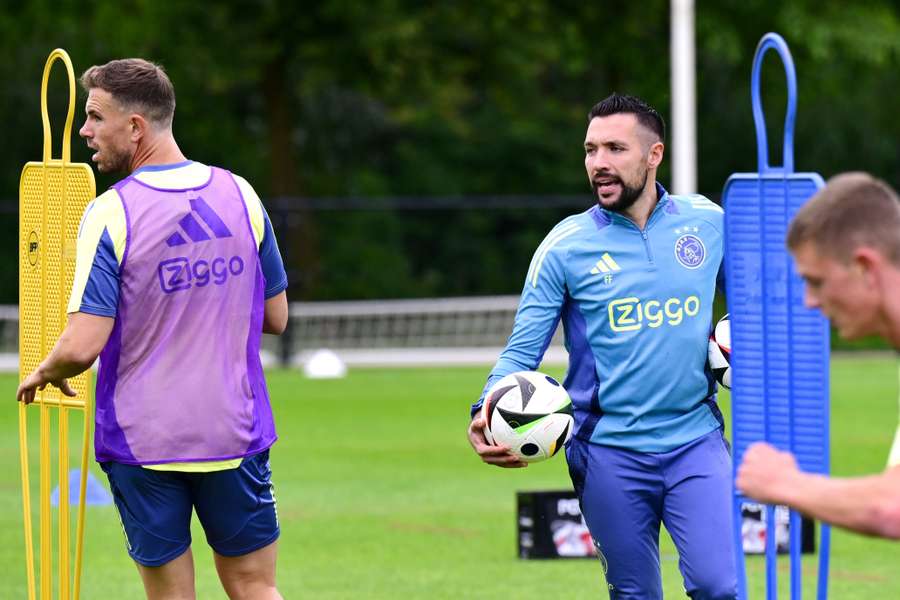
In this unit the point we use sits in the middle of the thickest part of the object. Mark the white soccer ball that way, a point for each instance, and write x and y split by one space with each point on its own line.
720 352
530 413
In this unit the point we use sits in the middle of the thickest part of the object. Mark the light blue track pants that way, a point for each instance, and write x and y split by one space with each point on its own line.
625 495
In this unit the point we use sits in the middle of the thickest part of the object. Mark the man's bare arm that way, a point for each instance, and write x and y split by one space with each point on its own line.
869 504
276 314
75 351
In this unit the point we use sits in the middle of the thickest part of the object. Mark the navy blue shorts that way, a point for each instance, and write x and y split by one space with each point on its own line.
236 508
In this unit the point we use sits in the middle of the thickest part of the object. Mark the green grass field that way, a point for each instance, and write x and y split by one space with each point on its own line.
380 496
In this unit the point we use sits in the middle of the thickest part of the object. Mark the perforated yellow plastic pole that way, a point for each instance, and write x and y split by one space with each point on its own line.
26 501
53 194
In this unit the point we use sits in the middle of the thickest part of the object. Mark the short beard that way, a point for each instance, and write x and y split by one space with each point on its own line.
118 162
626 199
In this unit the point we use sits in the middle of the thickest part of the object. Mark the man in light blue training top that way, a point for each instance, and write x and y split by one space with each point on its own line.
633 279
177 276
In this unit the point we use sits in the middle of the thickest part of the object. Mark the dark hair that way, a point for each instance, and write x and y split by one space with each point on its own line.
135 83
621 103
852 210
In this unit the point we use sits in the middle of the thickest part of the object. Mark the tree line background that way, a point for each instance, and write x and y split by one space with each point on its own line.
362 125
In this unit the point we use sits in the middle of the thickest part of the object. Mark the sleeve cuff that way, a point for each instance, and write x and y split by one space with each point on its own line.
99 311
276 289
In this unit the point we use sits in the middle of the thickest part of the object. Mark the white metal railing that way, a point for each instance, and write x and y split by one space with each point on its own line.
468 330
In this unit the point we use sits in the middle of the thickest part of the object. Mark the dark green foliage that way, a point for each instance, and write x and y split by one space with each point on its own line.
396 98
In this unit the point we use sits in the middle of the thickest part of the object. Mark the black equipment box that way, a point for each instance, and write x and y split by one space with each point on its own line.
549 525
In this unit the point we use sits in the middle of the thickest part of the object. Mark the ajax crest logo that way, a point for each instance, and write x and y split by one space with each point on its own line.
690 251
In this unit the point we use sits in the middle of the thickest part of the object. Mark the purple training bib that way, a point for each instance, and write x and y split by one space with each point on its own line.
180 378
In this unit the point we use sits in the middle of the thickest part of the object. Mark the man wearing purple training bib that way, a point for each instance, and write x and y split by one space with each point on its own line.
174 283
178 274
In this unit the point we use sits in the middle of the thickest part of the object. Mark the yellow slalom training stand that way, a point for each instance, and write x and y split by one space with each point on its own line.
53 194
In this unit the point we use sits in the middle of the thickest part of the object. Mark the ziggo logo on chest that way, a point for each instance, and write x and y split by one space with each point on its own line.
631 314
176 274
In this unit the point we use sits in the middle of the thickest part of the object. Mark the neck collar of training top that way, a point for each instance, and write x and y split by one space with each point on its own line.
149 183
150 168
605 217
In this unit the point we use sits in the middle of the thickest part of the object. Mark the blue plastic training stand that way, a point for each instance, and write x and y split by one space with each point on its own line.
780 349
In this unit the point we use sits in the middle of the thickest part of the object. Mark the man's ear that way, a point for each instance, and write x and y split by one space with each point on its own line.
655 155
868 262
139 127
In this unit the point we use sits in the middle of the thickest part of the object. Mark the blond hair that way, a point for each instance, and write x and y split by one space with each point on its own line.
852 210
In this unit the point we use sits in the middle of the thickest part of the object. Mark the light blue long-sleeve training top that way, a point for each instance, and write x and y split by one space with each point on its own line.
636 308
